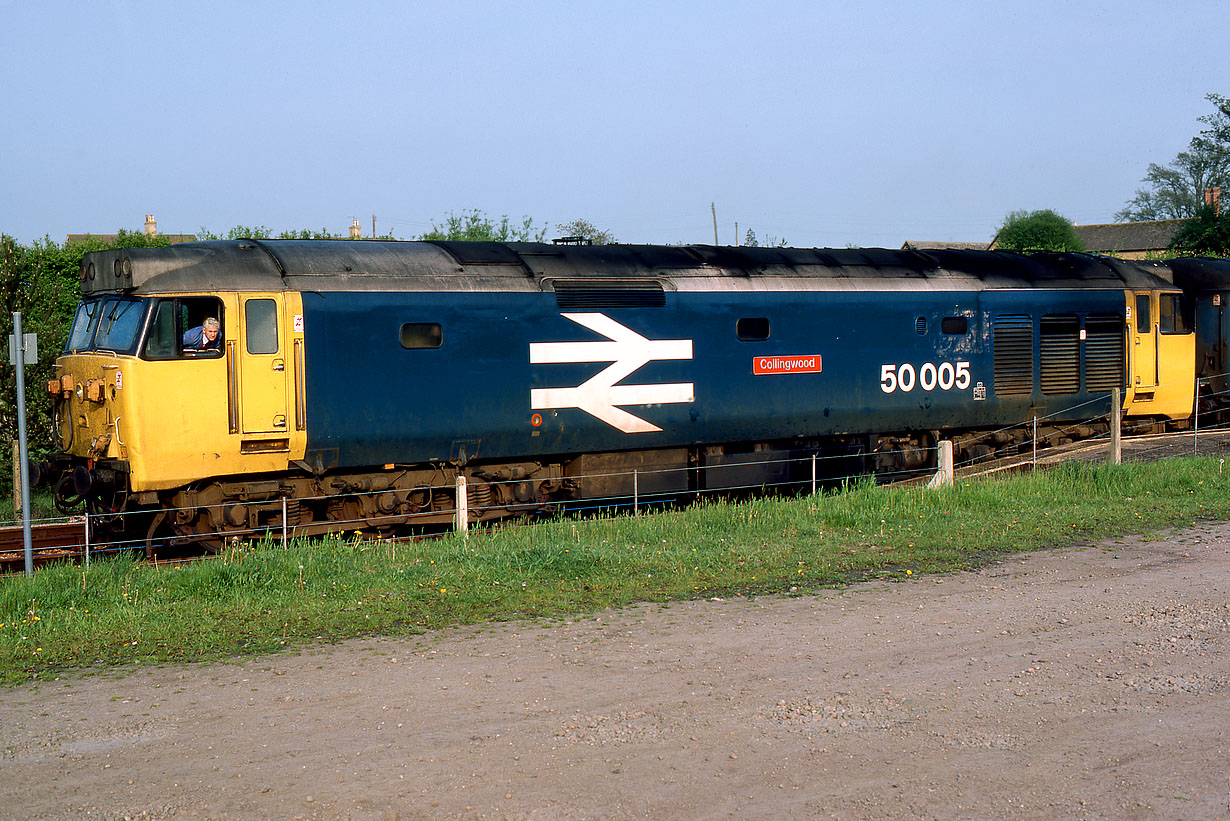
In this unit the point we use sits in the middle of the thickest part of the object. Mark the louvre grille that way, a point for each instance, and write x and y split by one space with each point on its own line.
590 295
1014 356
1103 354
920 326
1060 349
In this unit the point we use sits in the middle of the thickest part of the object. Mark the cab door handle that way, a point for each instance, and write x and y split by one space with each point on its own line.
279 365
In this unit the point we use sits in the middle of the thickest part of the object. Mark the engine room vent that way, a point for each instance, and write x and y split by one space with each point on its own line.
1060 349
920 326
1014 355
1103 353
593 294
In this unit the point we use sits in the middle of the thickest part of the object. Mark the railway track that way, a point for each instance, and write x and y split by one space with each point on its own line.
49 542
65 540
1150 447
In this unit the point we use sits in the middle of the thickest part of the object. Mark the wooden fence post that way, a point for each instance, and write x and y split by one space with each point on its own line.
462 519
944 475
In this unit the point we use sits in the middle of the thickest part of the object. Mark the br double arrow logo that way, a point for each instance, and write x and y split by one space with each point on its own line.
599 396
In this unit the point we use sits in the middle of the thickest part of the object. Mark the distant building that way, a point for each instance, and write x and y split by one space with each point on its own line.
923 245
151 228
1129 240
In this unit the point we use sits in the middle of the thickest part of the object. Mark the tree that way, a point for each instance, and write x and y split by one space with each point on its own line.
1038 231
1207 234
261 232
1218 131
474 225
1176 191
750 240
585 232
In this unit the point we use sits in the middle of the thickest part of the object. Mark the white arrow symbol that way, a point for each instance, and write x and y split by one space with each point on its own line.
599 395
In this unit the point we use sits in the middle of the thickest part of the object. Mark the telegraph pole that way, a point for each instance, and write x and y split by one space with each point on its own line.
713 208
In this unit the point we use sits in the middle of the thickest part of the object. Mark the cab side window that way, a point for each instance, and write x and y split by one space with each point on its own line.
1173 316
161 339
171 319
261 325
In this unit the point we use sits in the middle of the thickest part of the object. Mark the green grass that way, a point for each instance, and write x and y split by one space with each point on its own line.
262 598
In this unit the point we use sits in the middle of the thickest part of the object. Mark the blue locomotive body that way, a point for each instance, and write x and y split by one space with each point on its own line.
831 363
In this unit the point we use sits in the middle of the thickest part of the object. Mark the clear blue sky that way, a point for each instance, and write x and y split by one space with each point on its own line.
826 123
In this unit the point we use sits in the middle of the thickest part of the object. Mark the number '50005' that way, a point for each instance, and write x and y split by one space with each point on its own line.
929 376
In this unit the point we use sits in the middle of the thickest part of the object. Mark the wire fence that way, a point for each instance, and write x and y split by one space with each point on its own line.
800 469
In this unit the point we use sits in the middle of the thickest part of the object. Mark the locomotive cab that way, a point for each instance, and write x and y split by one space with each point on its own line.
138 410
1206 282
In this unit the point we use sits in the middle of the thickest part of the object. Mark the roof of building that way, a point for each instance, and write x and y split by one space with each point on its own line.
927 245
1122 237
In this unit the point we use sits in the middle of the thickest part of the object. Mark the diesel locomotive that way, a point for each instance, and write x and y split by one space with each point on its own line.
354 381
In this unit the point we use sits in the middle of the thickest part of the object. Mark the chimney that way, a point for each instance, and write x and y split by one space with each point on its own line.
356 230
151 227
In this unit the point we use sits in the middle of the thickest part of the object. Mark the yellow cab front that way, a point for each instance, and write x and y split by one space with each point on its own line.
142 407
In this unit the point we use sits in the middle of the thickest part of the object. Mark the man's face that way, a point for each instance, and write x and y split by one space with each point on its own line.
210 333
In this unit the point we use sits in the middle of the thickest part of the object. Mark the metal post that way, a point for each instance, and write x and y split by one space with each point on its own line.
87 538
813 474
1035 465
636 493
283 522
19 346
16 477
1196 423
463 506
1116 428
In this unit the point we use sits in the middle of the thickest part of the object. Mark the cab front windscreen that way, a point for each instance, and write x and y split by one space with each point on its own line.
112 324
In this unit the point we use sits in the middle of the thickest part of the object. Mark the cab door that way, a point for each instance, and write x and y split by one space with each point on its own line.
1144 341
262 365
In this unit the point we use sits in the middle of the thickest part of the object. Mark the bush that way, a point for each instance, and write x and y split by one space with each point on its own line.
1038 231
1205 235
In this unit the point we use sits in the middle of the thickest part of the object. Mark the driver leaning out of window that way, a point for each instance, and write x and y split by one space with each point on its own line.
207 337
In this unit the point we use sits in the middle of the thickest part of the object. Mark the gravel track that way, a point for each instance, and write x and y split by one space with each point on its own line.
1084 683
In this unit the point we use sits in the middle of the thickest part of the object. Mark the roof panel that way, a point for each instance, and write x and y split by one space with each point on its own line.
371 265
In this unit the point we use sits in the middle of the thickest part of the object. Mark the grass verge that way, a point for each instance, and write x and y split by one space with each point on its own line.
262 598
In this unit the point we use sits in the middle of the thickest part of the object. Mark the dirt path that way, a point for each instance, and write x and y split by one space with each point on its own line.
1089 683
